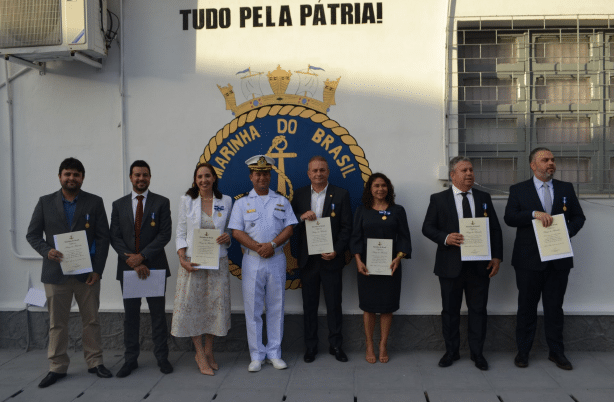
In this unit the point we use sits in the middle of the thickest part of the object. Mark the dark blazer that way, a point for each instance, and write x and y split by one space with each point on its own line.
341 223
49 218
522 201
153 238
442 219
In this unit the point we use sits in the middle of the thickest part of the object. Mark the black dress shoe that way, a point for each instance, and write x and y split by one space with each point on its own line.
480 362
101 371
338 353
560 360
50 379
165 366
448 359
126 369
310 355
521 360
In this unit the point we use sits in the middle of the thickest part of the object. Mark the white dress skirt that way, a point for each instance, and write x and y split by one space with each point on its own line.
202 298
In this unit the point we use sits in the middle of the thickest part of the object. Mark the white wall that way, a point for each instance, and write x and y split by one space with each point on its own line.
390 98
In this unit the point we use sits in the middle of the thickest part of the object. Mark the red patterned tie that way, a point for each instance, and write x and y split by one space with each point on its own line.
137 223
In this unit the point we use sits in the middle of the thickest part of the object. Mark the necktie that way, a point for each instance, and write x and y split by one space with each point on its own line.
138 219
466 208
547 199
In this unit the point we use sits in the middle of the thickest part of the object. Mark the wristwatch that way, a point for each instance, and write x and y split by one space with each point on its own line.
274 245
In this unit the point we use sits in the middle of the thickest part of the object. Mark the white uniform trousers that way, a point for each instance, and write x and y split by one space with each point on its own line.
264 279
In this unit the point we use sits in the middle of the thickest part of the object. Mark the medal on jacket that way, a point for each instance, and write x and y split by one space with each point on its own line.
485 207
219 210
384 213
333 208
87 221
153 221
564 202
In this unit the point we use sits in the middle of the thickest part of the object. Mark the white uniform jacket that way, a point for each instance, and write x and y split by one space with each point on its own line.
189 219
262 222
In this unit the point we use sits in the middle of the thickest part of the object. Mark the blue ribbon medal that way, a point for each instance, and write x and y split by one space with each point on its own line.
333 208
384 213
485 207
219 209
564 202
153 219
87 221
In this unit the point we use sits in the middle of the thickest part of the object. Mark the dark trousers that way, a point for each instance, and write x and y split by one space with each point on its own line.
475 285
317 272
549 285
132 323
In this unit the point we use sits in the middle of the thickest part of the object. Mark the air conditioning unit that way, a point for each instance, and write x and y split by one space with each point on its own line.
47 30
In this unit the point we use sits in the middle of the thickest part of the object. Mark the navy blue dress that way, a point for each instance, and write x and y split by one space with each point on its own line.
380 293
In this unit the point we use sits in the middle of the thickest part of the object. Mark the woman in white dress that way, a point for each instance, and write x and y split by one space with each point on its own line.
202 297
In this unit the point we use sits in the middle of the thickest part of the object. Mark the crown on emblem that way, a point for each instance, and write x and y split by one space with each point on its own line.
279 80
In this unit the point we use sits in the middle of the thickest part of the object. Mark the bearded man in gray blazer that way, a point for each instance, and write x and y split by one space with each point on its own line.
71 210
140 229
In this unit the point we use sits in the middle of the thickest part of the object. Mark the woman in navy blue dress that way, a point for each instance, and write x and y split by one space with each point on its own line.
379 218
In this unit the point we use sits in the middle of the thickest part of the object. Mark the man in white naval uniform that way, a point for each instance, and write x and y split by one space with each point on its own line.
262 221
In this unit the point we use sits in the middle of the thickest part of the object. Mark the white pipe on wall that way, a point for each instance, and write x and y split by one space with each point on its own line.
9 92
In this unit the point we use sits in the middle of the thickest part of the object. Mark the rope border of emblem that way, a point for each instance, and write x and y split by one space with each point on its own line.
294 111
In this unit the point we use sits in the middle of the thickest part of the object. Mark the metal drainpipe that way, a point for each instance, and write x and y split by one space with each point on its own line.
9 91
124 150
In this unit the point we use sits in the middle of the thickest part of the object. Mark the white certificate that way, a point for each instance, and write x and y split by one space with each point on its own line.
152 286
74 247
205 250
476 239
319 236
379 256
553 242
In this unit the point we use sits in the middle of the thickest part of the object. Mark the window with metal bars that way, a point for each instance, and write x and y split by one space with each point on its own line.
518 85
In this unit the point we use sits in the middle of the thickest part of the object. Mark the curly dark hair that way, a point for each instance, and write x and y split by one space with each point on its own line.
194 191
367 197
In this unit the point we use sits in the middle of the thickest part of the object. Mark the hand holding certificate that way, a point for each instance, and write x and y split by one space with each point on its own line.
319 236
553 242
379 256
206 251
476 239
76 253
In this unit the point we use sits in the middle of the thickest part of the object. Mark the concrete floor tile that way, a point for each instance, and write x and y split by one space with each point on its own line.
7 355
536 395
267 378
319 395
390 396
504 375
587 373
441 395
317 379
246 395
381 379
462 375
173 395
593 395
607 358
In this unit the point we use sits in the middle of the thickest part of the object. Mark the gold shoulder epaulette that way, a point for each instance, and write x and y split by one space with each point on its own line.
283 195
241 195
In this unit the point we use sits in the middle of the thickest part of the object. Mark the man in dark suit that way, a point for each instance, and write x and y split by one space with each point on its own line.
322 199
140 228
71 210
441 225
539 198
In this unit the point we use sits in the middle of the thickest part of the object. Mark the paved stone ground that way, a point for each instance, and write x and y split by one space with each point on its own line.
408 377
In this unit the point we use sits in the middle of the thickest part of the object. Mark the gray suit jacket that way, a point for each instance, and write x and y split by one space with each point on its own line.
49 218
153 238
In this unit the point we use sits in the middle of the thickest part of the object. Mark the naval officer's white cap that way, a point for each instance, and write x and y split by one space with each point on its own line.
260 163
